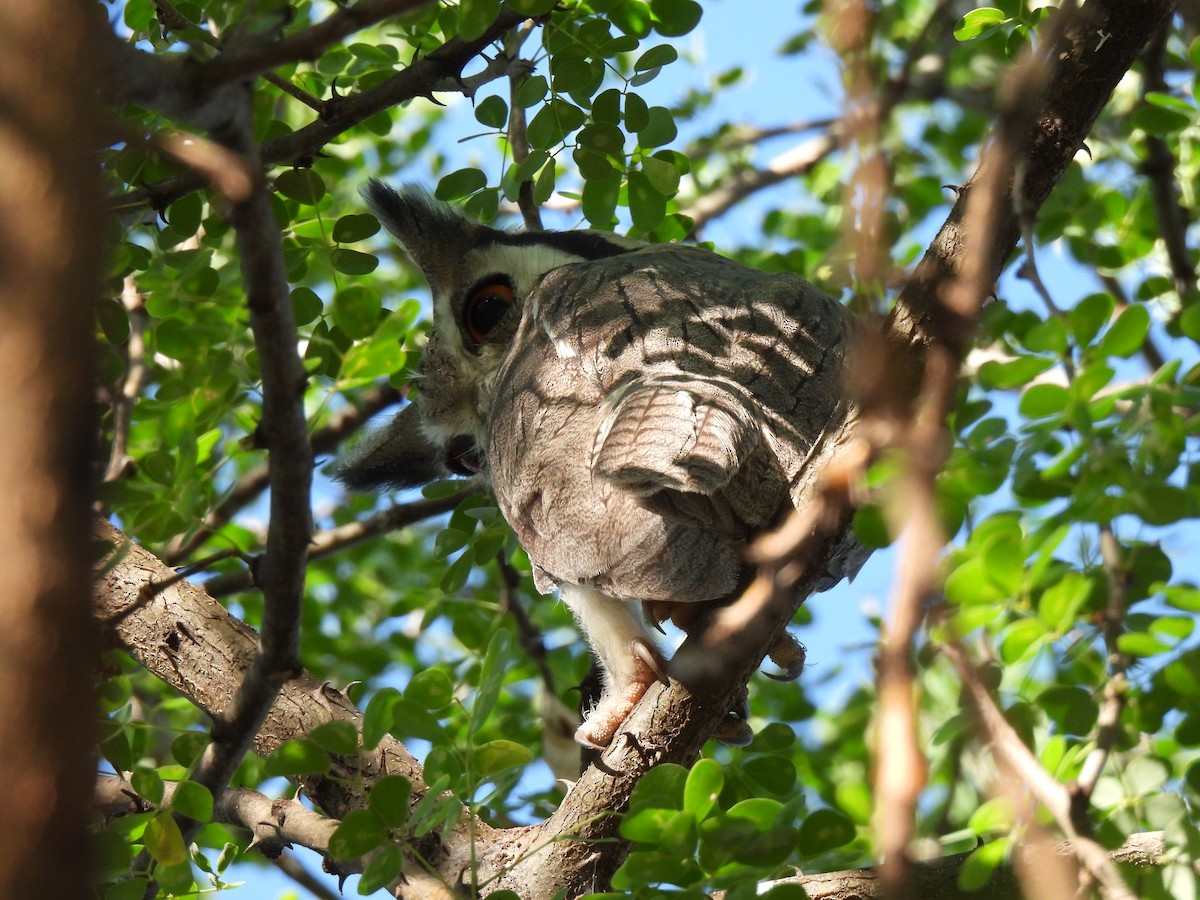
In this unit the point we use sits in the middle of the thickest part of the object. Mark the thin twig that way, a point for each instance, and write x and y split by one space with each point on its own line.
324 440
309 43
518 142
1013 755
336 539
130 387
1108 722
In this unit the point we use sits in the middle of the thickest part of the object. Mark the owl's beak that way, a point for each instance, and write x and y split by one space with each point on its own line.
463 456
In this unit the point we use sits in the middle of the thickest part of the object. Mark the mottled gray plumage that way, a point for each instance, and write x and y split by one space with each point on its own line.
641 412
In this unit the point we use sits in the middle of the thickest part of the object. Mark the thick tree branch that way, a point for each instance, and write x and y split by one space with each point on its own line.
284 433
1159 168
181 635
1085 70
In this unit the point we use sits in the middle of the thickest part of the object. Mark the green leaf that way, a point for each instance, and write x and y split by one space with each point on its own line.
337 736
460 183
646 825
824 829
533 8
1140 644
979 22
570 74
632 17
475 16
776 774
656 58
356 227
298 757
660 788
675 18
353 262
430 688
603 138
492 111
1013 373
1089 316
995 814
660 128
389 800
307 306
356 309
978 868
148 784
1145 775
496 756
1061 602
1072 708
1127 333
532 92
703 787
164 840
358 834
1022 638
647 206
413 720
1042 400
491 677
600 197
383 868
192 800
662 175
303 185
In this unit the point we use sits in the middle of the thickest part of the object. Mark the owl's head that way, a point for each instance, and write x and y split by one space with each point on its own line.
479 278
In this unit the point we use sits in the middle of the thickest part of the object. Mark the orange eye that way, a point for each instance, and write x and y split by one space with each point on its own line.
484 310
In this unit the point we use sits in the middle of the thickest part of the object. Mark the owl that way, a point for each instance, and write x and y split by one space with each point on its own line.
640 412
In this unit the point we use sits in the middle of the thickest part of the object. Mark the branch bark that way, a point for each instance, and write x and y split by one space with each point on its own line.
50 255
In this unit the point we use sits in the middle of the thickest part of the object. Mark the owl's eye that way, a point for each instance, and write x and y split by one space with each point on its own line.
485 308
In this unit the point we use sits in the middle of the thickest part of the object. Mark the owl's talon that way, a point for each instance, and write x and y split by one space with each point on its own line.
651 659
788 654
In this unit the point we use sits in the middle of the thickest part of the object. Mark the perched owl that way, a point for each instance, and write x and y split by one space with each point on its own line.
640 411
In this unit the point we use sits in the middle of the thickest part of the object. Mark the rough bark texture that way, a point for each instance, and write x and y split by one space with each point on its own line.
49 243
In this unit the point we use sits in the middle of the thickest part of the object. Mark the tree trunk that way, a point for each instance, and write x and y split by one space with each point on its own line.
49 252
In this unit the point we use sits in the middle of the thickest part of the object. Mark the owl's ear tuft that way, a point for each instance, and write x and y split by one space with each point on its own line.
433 234
396 456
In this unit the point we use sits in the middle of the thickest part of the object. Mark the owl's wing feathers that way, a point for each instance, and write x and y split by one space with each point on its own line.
678 433
692 450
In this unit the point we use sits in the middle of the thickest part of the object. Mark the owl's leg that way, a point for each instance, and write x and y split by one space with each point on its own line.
631 663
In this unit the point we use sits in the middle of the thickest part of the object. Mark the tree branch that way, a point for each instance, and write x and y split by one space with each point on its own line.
308 44
324 440
168 87
323 543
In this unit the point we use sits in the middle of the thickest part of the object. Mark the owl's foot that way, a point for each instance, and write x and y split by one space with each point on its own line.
788 654
646 667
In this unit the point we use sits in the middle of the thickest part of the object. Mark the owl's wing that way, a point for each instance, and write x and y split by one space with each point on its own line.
693 450
675 433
